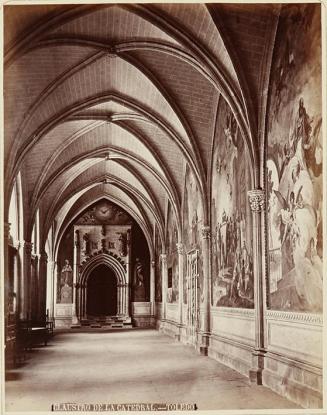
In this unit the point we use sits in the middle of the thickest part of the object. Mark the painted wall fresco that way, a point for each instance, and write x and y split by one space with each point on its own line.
232 258
192 224
64 268
172 255
140 265
294 165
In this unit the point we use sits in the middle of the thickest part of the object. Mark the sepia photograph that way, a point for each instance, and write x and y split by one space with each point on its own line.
163 207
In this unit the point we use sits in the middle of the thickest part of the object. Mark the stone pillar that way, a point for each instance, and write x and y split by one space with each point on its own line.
43 268
128 272
180 252
257 203
25 291
51 295
126 300
152 287
206 235
75 321
164 271
84 301
6 236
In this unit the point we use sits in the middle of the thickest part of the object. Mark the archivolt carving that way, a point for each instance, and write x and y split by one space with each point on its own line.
105 253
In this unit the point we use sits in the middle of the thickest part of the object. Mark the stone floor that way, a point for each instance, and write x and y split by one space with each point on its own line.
129 366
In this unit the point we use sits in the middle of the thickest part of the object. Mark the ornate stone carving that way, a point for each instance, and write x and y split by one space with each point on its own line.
28 246
86 244
292 316
180 249
163 258
77 244
121 244
257 200
44 256
240 312
206 232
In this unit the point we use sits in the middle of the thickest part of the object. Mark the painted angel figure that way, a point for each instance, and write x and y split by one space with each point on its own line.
287 211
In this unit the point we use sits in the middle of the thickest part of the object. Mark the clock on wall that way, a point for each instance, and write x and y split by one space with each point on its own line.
104 211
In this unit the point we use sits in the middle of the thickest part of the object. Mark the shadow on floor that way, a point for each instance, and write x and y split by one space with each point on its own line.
99 330
11 376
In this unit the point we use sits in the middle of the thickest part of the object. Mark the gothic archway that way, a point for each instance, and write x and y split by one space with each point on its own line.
118 272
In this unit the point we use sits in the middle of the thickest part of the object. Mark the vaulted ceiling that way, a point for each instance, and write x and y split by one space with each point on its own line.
114 100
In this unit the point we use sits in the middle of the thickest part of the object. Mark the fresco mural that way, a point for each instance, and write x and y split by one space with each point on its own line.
172 255
232 258
192 224
64 268
294 165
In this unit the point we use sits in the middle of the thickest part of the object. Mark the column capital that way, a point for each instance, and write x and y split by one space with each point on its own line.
180 248
44 256
206 232
153 263
163 258
257 200
28 246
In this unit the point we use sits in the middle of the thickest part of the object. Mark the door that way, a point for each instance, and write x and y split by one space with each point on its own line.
102 292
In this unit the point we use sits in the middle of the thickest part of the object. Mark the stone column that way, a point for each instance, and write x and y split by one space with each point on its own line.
128 272
75 321
257 203
25 288
51 294
152 286
43 267
164 271
6 236
34 287
84 301
206 235
180 252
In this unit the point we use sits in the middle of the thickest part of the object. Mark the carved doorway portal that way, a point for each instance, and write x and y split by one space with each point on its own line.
192 296
102 292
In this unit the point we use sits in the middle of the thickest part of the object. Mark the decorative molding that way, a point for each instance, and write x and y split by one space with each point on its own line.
102 251
242 312
295 317
153 264
206 232
257 200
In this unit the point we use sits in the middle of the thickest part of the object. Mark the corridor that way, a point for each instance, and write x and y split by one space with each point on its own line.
163 167
129 367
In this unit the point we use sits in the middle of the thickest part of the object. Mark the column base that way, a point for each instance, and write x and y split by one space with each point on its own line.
75 322
204 347
258 360
203 350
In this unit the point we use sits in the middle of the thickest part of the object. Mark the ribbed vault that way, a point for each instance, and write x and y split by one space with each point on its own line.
114 100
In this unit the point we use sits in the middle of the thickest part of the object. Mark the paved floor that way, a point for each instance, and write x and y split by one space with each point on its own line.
129 366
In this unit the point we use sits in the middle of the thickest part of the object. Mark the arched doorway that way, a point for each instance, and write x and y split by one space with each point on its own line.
102 292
